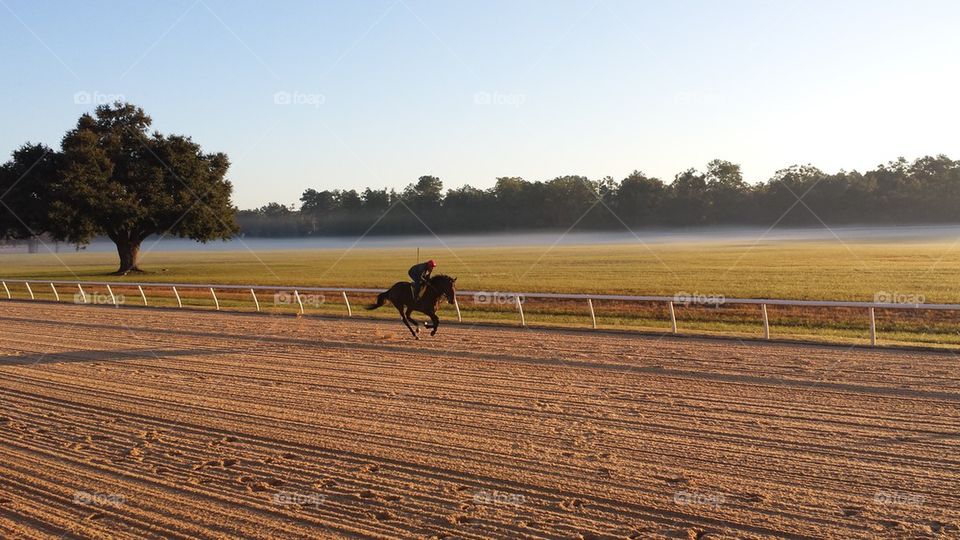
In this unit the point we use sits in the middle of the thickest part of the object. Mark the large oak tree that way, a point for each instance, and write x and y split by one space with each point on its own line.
118 180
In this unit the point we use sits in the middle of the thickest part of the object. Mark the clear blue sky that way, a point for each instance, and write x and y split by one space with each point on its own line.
468 91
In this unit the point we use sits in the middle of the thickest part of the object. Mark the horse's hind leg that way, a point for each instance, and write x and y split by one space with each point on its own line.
409 316
406 322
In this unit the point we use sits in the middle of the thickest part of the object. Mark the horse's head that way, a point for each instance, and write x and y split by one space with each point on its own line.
446 285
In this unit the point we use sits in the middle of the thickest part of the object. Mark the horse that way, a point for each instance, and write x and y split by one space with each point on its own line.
434 289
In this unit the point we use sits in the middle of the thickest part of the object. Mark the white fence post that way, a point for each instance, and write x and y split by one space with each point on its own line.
766 322
255 301
456 304
175 293
55 293
9 296
593 316
523 321
83 295
673 318
112 297
216 302
142 294
347 302
873 328
296 294
29 290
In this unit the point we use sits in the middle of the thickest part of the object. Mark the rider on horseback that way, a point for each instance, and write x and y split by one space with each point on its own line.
420 273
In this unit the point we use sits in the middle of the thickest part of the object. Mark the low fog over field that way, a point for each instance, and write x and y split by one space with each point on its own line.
720 235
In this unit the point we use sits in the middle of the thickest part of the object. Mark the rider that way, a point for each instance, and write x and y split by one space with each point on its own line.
420 273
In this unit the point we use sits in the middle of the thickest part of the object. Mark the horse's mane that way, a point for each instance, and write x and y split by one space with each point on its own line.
441 277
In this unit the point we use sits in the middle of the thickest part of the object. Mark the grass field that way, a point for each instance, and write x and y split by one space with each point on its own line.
796 270
914 271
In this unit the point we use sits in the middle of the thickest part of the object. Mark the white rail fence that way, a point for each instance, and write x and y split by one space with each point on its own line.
514 298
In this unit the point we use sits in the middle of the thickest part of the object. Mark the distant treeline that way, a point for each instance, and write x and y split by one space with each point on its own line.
899 192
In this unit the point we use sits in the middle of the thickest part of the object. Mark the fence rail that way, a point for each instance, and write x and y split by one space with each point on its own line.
514 298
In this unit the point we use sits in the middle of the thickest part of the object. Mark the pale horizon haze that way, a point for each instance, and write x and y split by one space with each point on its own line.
382 92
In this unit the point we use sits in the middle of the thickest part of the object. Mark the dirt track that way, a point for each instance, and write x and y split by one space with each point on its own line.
134 423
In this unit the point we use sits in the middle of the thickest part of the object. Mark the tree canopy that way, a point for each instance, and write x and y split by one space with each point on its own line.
112 177
924 191
26 191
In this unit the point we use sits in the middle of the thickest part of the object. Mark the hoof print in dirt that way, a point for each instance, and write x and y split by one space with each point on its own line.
571 505
458 519
851 511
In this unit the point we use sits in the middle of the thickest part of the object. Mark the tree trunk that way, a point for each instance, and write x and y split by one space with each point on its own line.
129 252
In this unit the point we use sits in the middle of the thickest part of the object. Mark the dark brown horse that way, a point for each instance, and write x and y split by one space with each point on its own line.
434 291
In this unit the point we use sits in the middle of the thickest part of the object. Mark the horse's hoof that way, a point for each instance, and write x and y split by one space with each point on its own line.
433 333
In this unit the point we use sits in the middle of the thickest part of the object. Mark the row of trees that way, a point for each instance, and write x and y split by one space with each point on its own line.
924 191
112 177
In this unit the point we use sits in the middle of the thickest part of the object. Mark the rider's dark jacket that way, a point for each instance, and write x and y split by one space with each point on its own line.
419 273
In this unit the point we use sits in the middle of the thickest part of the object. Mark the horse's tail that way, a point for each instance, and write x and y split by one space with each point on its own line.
381 298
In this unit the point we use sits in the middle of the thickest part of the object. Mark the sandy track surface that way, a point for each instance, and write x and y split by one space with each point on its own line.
138 423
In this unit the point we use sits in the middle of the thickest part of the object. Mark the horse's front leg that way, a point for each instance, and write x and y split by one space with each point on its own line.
436 322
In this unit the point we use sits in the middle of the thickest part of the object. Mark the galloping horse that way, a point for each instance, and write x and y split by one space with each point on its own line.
434 291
